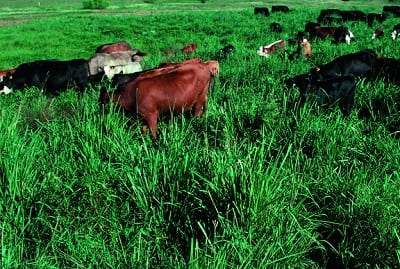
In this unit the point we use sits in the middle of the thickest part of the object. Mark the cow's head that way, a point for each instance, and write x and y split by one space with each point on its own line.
394 34
138 56
7 84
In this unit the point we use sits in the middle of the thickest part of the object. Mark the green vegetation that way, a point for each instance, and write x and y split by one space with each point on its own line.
253 183
95 4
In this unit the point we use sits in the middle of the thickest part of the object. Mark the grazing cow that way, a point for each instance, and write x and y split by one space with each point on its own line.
132 67
267 50
7 72
310 25
339 89
304 48
329 20
353 15
275 27
359 64
51 76
119 58
371 17
119 79
307 52
189 49
321 32
261 10
328 91
378 33
396 31
391 10
298 39
113 47
180 90
329 12
342 34
280 8
224 52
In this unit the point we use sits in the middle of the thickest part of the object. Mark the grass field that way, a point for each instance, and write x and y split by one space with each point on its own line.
253 183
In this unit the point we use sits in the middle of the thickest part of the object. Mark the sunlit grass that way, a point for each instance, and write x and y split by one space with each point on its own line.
256 182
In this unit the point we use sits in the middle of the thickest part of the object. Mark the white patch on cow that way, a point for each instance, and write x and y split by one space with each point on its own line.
351 34
348 38
394 34
130 68
5 90
107 70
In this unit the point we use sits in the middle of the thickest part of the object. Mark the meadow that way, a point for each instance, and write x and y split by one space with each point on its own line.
256 182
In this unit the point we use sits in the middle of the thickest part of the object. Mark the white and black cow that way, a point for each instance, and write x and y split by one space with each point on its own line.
122 61
51 76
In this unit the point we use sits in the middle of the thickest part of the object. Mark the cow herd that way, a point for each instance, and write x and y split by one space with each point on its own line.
183 86
335 81
170 88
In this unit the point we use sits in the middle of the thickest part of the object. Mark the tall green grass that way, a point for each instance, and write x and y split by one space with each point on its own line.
256 182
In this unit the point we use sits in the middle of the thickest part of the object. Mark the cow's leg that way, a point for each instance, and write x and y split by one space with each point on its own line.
151 120
200 105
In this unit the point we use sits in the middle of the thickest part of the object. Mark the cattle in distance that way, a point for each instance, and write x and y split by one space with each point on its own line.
261 10
225 52
189 48
378 33
113 47
391 11
275 27
280 8
51 76
268 49
396 31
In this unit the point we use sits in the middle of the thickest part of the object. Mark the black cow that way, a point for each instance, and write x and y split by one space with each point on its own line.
391 10
342 34
329 20
261 10
310 26
329 12
339 89
360 64
51 76
224 52
275 27
353 15
371 17
284 9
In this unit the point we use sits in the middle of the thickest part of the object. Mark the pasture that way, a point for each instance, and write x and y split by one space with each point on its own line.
255 182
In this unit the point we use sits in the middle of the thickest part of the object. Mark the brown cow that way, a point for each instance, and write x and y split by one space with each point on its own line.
113 47
274 46
321 32
190 48
123 78
182 89
306 48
